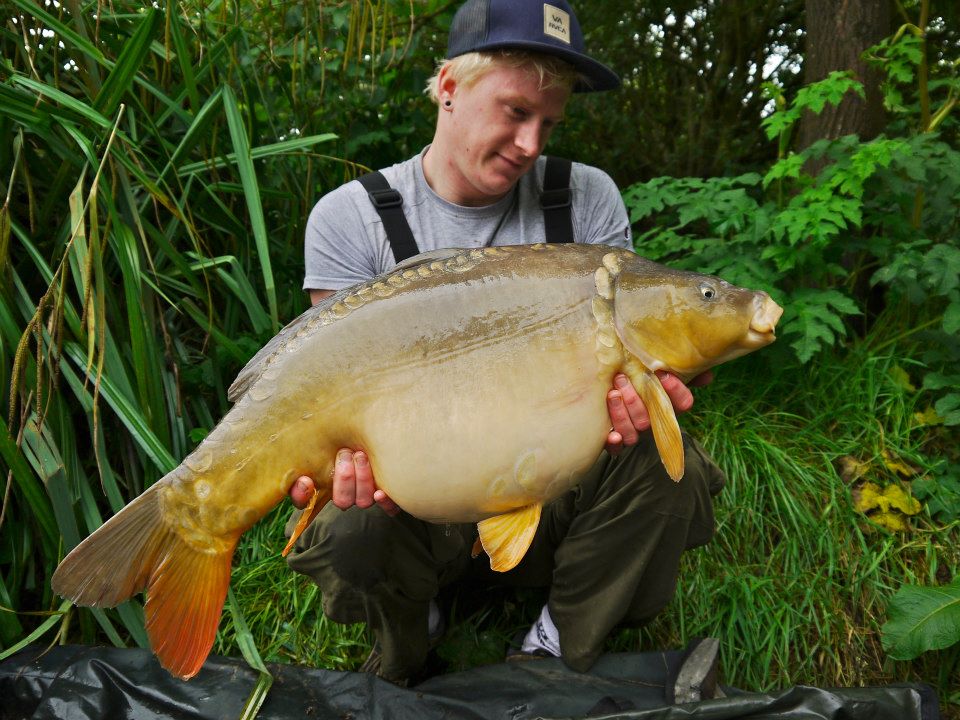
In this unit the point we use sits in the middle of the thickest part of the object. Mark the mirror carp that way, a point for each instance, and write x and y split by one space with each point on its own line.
476 382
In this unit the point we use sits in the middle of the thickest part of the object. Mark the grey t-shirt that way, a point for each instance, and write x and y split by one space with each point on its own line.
346 243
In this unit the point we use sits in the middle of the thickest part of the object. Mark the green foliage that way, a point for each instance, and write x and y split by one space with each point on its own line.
824 244
903 60
811 98
838 232
692 95
922 619
818 319
157 165
940 491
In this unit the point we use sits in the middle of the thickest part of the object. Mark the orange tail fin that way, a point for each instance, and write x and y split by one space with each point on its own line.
186 584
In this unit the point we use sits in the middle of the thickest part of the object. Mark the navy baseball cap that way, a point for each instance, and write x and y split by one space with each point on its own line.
550 28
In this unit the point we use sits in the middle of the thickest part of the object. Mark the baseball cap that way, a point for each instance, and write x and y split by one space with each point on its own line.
550 28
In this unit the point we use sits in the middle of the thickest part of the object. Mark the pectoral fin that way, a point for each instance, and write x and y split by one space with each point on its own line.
663 420
506 538
313 508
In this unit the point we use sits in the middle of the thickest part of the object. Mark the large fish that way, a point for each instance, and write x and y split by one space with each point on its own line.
475 380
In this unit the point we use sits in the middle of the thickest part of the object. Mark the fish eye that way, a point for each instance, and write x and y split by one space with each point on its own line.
708 291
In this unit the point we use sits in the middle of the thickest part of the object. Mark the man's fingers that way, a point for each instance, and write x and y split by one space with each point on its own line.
614 444
364 480
344 480
385 503
301 491
620 417
639 418
680 396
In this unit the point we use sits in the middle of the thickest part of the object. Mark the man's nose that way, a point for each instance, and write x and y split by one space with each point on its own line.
530 138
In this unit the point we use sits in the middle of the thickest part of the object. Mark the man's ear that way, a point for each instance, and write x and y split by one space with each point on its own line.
446 84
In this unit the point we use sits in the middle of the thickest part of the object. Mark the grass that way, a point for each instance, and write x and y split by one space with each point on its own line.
796 581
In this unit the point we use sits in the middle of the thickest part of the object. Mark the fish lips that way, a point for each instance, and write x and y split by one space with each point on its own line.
764 321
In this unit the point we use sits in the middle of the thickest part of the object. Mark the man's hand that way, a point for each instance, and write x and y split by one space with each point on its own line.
629 415
353 484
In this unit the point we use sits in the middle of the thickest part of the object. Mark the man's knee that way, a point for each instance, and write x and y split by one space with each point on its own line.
643 487
347 545
642 473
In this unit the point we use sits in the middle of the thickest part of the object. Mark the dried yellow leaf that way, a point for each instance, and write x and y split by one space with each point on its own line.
897 465
890 506
901 378
892 521
928 417
865 497
852 469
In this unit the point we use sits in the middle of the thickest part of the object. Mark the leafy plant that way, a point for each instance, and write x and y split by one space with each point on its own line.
824 244
873 230
157 165
922 619
940 491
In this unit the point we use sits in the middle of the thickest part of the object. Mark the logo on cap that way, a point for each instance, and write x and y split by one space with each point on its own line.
556 23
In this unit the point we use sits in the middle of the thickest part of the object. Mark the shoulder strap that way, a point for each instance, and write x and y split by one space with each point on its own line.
389 206
555 201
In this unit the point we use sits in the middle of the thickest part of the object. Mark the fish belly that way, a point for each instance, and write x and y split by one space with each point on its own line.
485 419
487 444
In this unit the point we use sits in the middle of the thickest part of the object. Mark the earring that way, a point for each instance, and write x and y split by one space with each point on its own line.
447 103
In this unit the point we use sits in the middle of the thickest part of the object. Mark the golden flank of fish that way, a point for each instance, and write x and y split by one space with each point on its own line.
476 382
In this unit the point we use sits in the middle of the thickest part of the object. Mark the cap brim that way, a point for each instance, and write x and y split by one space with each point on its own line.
594 76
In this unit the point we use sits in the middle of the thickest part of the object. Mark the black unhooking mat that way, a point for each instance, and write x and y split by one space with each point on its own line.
76 683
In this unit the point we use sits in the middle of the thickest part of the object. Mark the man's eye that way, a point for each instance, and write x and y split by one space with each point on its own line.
518 111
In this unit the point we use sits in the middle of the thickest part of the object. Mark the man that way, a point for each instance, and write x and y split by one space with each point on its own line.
608 550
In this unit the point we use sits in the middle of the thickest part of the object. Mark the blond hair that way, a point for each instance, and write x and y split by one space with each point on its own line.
469 68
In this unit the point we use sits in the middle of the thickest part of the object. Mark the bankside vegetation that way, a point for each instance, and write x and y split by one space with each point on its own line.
157 167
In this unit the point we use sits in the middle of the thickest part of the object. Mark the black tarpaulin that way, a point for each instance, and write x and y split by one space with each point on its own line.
78 682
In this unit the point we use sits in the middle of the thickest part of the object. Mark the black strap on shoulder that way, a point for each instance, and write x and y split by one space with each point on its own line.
389 205
555 201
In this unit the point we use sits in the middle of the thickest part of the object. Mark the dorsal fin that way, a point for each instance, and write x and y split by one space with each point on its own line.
428 257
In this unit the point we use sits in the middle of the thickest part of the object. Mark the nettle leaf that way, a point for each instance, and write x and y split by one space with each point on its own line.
831 90
780 122
922 619
940 492
817 317
899 59
850 175
788 167
892 98
643 199
948 407
914 165
942 265
662 243
951 317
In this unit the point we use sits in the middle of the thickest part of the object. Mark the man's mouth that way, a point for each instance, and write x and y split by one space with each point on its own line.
515 164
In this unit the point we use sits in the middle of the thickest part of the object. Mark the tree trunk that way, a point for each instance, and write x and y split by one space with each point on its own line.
838 31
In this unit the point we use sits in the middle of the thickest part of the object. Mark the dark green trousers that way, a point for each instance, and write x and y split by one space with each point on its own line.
608 550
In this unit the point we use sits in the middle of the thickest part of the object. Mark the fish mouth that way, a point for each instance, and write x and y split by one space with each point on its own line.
764 320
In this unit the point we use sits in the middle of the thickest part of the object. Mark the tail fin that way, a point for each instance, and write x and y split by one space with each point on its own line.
186 584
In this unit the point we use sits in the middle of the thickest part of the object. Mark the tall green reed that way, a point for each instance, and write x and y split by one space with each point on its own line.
157 165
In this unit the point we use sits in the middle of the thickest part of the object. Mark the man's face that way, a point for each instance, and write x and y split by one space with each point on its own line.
500 125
